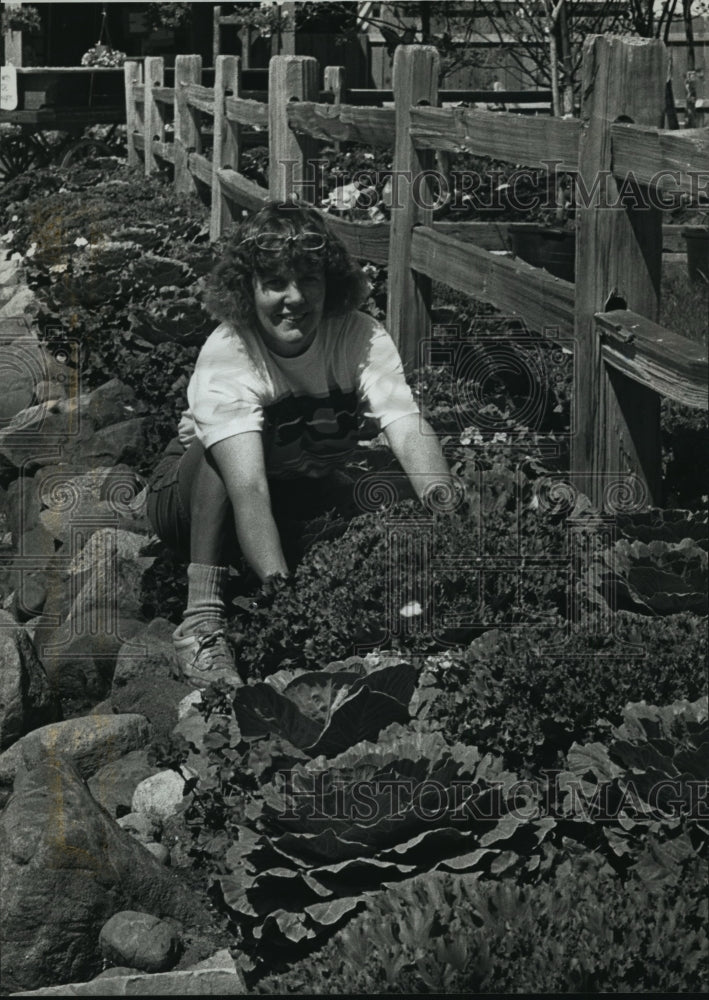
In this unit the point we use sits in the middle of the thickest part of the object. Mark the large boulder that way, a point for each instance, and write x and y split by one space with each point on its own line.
67 868
89 743
26 699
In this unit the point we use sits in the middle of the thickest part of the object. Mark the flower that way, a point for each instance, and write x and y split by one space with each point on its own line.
103 55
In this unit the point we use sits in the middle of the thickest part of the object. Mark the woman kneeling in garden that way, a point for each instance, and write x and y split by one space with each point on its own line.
274 401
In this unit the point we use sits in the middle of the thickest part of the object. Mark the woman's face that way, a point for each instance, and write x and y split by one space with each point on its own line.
289 308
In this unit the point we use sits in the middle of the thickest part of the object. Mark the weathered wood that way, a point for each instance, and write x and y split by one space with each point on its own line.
618 253
12 40
371 95
370 126
368 241
500 135
672 239
246 112
291 157
217 21
166 95
200 167
201 98
165 150
671 160
513 286
139 140
188 71
226 150
153 121
244 192
659 359
139 89
334 84
415 77
488 235
132 76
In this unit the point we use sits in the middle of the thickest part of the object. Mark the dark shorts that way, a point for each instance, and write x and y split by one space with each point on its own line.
166 513
294 502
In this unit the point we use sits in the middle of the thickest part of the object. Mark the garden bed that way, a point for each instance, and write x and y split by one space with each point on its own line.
542 664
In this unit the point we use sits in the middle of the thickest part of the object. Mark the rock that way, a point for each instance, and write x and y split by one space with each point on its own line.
158 851
10 272
156 698
150 653
26 699
189 704
93 429
222 982
20 370
105 582
113 785
159 796
143 828
115 970
104 497
141 940
22 506
67 868
89 742
21 302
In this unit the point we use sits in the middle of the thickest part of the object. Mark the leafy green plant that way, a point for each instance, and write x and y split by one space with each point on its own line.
327 711
581 931
647 784
330 830
528 693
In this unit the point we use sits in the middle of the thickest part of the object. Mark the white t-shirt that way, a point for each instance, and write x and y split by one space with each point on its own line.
308 407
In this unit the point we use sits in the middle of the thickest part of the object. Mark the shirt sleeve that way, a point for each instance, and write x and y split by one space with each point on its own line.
380 375
223 393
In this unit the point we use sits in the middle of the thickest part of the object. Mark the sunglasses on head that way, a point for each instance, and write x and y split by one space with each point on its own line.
275 242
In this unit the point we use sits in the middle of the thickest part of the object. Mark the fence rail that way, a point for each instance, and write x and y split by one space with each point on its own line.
624 361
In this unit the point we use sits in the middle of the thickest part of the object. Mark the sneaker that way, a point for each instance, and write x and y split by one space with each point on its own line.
205 657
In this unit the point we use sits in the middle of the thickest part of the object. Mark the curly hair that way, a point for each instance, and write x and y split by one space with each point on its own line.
229 293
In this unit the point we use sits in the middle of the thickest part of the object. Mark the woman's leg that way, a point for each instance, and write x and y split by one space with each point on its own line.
204 499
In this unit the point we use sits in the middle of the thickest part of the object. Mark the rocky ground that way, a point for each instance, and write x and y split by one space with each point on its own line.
90 886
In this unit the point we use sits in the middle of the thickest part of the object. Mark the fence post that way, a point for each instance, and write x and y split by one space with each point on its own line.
188 69
216 34
334 82
289 155
619 251
132 77
409 300
153 119
225 153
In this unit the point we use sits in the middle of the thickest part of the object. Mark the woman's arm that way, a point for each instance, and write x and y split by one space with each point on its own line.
241 463
416 446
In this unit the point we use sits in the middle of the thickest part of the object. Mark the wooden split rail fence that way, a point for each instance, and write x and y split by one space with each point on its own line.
624 362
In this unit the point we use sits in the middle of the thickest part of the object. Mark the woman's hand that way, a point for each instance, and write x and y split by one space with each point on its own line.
418 451
241 463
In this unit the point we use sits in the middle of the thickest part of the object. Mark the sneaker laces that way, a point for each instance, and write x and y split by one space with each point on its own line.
212 652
